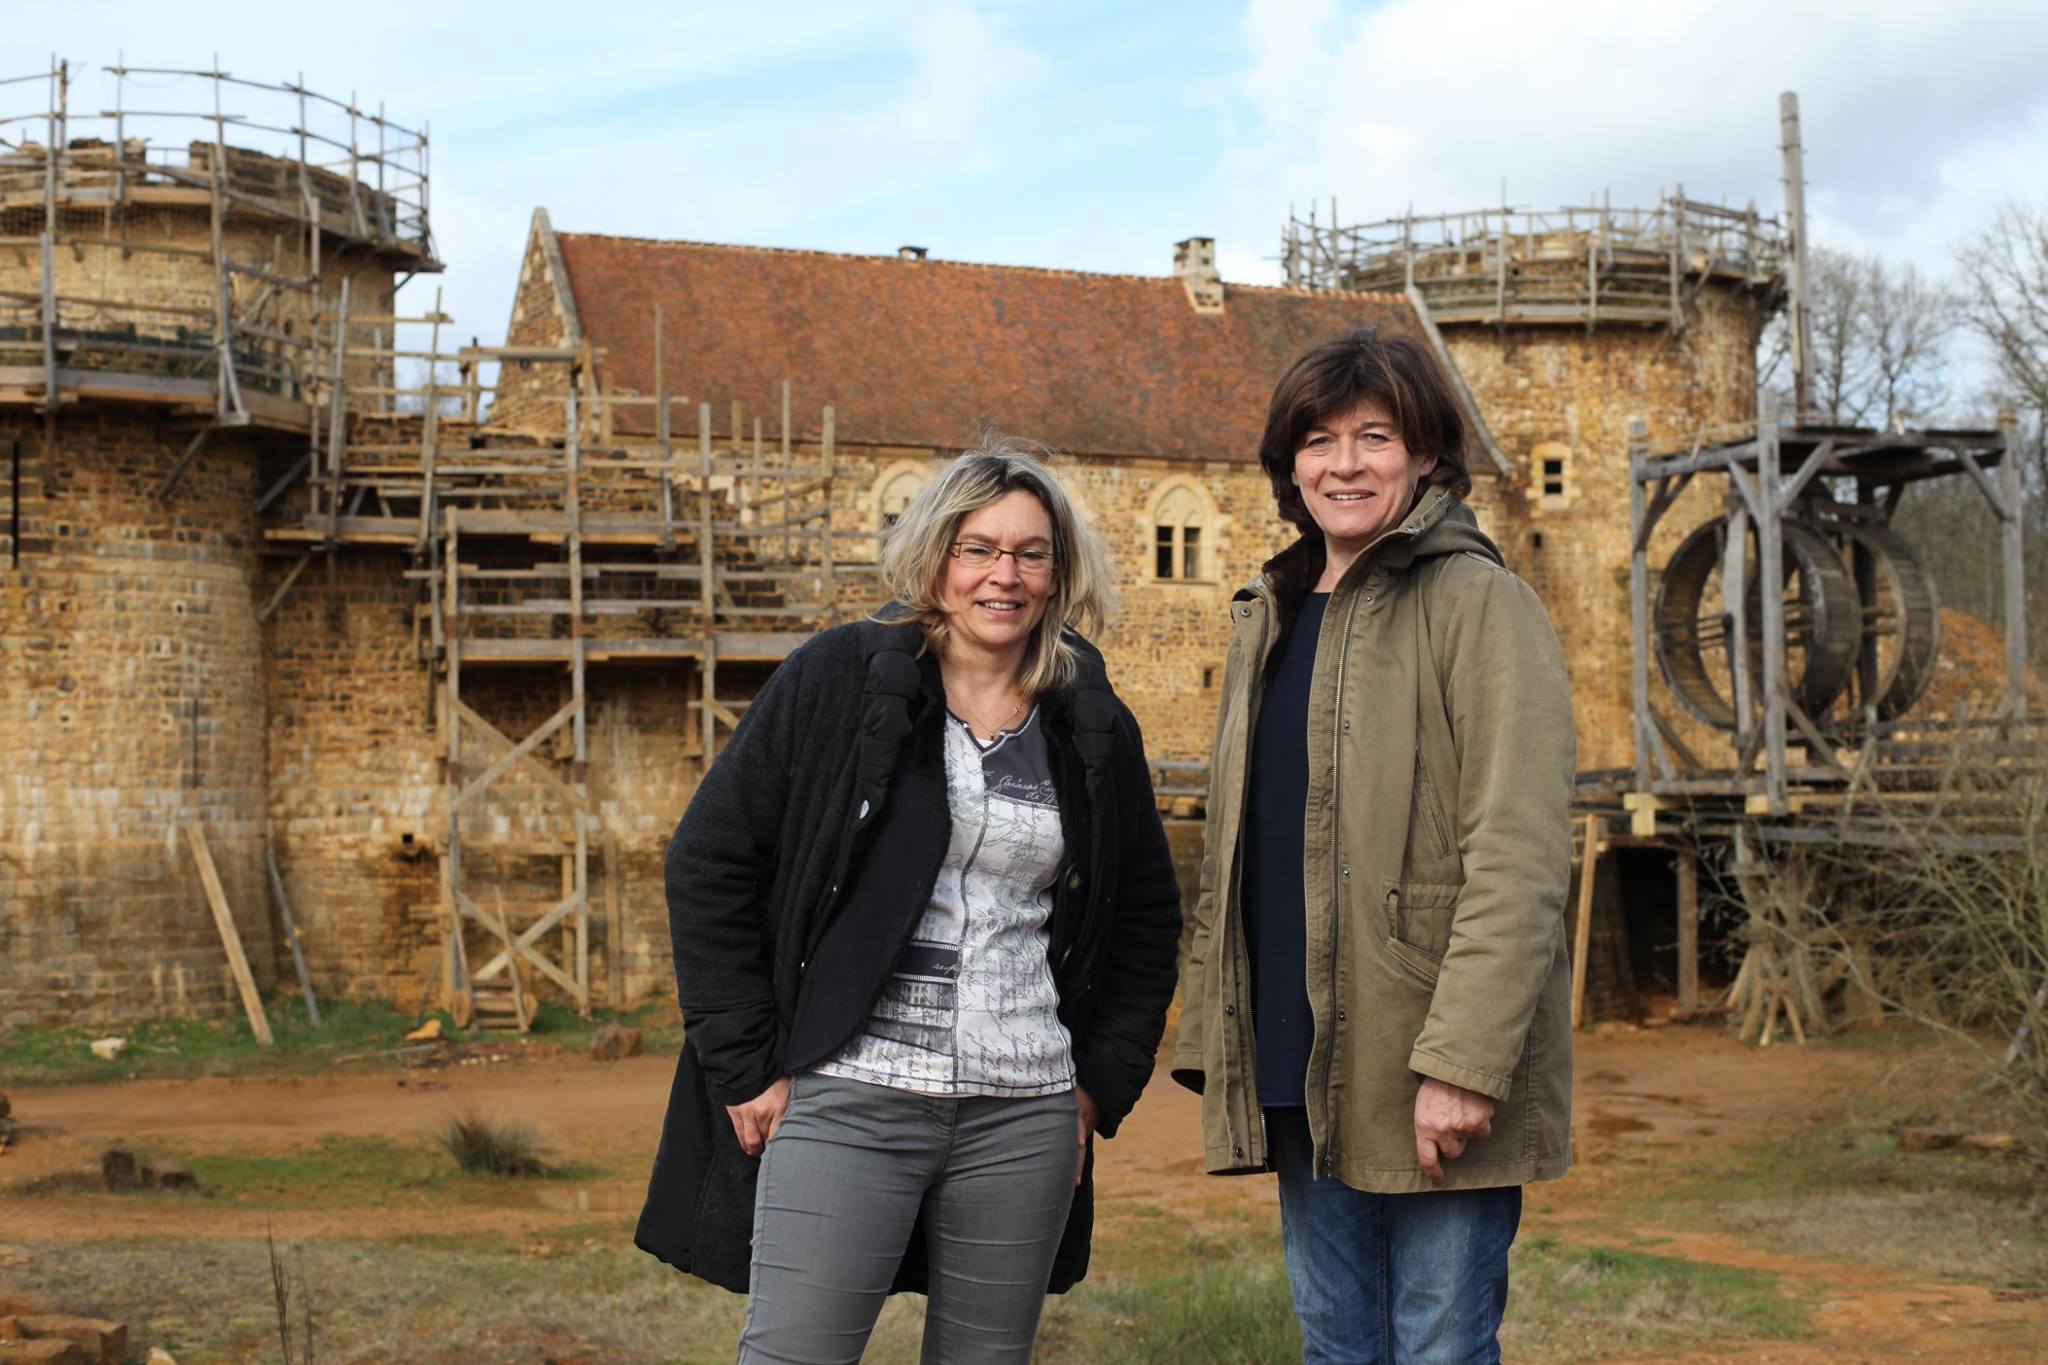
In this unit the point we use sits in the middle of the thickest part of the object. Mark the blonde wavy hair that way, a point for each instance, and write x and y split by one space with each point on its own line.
916 548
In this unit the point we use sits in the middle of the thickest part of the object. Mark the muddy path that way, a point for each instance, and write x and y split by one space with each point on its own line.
1650 1106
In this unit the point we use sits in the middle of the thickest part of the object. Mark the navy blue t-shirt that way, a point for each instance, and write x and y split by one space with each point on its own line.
1275 912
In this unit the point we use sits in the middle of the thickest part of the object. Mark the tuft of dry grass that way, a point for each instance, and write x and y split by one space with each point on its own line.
483 1146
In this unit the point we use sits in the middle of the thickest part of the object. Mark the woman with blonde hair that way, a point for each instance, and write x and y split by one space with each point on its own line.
925 927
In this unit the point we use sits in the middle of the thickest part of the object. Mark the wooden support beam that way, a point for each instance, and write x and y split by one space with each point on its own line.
1687 867
533 765
522 751
1582 929
291 934
230 937
614 925
291 577
192 448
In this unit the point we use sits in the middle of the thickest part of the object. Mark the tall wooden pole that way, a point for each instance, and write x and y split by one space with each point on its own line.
1796 278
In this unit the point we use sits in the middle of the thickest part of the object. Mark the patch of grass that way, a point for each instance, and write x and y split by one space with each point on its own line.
1222 1310
483 1146
361 1031
211 1299
1841 1190
334 1169
1580 1302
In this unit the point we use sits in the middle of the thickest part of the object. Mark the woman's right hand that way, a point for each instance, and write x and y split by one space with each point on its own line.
754 1122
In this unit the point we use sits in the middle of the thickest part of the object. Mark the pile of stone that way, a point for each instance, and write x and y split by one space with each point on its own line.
52 1339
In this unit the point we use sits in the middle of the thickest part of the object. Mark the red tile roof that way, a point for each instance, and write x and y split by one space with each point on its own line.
923 352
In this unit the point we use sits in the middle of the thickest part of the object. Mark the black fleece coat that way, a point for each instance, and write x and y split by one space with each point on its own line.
801 867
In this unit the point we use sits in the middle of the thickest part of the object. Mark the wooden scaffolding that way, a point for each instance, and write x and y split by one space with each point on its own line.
1806 691
594 538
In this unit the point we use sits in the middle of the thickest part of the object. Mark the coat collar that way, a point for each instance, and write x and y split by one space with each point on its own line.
1394 550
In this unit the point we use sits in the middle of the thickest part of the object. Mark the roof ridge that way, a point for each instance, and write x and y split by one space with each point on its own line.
950 263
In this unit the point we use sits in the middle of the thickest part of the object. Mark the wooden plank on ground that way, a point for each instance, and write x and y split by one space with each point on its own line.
1582 931
230 937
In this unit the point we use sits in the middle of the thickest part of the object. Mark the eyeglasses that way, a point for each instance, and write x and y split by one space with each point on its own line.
975 555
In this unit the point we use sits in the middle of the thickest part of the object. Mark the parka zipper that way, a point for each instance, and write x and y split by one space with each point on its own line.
1337 871
1234 906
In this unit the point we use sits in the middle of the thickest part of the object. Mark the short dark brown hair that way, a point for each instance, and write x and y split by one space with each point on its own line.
1335 376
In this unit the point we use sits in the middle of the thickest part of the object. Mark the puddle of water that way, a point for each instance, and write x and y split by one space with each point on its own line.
602 1199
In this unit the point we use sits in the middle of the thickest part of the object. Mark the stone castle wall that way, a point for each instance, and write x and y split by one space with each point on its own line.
1567 394
131 699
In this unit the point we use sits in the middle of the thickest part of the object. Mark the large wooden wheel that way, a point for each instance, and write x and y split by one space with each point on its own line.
1901 620
1692 621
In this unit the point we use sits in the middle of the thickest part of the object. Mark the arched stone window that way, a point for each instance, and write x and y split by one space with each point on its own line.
898 485
1182 545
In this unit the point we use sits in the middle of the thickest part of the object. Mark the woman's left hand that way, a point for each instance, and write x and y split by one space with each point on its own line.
1085 1115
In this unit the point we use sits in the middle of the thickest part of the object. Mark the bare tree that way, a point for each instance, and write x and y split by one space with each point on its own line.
2005 302
1906 326
1879 335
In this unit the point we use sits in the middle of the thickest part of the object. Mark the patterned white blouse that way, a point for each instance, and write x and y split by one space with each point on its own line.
971 1008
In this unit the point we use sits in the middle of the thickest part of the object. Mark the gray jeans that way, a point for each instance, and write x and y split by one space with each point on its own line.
842 1183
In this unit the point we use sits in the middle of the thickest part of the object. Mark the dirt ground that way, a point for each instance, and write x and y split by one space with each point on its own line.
1653 1108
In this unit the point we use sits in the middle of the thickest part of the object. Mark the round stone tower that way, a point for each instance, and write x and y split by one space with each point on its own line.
169 299
1565 327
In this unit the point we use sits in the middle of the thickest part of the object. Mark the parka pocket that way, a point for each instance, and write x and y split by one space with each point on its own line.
1431 809
1419 918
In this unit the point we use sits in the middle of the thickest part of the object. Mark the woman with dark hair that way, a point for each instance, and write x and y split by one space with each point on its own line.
1377 1002
925 926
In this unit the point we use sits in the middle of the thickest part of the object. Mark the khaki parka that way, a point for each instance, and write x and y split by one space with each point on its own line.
1437 853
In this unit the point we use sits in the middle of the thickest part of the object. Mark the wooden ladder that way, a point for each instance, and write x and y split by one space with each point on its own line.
502 1003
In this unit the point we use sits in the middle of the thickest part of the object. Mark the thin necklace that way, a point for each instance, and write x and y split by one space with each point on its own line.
997 729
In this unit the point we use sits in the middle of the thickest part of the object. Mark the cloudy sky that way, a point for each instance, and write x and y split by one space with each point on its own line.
1093 136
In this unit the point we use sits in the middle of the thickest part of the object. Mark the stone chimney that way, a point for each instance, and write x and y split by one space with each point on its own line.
911 253
1194 261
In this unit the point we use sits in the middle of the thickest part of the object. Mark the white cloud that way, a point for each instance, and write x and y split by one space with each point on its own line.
1916 118
966 63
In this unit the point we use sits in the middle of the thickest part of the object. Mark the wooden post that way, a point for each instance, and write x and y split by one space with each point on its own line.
1638 601
1687 865
1582 930
2015 570
230 937
291 934
1771 593
614 925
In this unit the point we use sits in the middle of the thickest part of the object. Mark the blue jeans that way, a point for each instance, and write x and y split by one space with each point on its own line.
1390 1277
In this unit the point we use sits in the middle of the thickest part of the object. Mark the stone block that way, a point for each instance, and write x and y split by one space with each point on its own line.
1928 1139
45 1352
99 1341
119 1169
1990 1144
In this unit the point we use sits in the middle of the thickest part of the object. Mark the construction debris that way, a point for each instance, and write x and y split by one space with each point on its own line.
62 1340
613 1042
